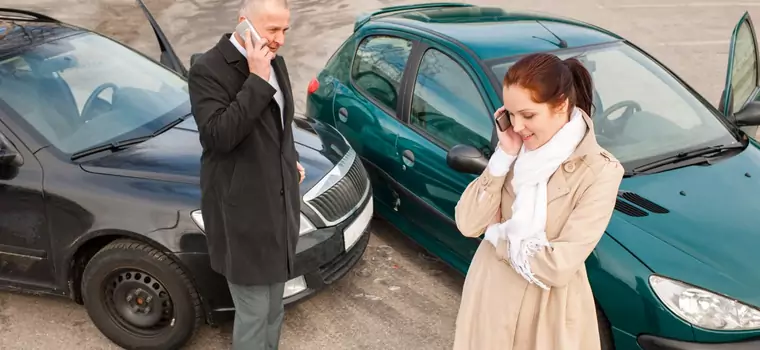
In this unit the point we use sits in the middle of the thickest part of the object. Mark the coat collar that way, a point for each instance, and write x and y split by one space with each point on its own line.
588 144
558 185
233 57
231 54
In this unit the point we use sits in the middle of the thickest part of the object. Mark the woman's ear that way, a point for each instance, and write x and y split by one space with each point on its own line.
563 109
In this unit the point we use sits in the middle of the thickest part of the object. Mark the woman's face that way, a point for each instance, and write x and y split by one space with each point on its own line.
535 122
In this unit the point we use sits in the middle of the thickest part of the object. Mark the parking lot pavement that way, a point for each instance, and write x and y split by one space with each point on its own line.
394 298
397 298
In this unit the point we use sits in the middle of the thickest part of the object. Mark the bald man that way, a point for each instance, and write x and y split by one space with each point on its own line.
250 202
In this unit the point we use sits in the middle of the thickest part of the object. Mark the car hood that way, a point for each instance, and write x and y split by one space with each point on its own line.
175 154
709 235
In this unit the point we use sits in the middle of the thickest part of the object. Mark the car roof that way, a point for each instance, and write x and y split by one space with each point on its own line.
22 29
492 32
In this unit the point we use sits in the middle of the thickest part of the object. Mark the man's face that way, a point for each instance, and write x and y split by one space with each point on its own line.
271 22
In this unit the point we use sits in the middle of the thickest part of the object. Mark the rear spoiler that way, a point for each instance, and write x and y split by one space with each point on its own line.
363 18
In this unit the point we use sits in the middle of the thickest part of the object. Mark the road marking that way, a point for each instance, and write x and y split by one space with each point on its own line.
695 43
690 4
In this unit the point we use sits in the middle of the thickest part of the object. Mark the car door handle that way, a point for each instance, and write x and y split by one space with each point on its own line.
343 114
408 158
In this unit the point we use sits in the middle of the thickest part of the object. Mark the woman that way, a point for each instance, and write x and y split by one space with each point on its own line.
543 203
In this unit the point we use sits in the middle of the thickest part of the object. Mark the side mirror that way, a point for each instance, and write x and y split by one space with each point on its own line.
466 159
194 57
748 116
9 157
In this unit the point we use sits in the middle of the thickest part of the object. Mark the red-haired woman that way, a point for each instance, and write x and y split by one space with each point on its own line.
543 202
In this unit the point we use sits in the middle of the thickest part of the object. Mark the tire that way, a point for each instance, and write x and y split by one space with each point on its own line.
605 332
139 298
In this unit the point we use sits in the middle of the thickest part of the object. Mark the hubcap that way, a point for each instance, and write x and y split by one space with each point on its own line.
138 301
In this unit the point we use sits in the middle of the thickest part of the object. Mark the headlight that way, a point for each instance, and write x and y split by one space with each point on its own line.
198 218
305 225
703 308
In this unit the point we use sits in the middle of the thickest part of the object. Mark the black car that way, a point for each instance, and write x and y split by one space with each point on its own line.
99 186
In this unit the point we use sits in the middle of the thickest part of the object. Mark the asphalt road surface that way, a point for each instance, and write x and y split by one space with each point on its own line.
397 297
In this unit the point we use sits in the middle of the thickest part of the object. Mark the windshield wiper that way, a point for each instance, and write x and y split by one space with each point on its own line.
111 146
681 157
169 126
122 144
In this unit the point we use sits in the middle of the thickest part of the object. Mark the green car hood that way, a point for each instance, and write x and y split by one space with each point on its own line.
710 234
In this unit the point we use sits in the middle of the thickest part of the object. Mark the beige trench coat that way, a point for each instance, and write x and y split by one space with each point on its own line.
500 309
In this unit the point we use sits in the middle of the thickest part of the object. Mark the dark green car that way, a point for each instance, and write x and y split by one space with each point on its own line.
413 89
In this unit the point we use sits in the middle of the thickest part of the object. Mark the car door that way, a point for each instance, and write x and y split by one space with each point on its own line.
742 77
25 255
169 57
446 108
365 109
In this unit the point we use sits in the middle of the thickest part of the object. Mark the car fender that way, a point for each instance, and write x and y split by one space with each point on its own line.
620 283
84 247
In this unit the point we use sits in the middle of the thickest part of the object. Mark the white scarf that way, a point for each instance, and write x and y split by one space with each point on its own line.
526 229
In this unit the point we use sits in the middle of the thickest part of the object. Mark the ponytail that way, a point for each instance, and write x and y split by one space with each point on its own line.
553 81
582 85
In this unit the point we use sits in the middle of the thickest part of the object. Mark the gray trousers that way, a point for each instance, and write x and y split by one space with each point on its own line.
258 316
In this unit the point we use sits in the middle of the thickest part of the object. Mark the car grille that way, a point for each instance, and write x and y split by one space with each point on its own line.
344 196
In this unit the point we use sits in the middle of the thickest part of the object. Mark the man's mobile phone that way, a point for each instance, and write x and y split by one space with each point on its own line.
246 25
502 120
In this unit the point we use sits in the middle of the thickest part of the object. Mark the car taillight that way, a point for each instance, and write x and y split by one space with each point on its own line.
313 86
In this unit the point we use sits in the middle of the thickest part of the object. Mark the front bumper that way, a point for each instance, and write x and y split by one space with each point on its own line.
650 342
321 259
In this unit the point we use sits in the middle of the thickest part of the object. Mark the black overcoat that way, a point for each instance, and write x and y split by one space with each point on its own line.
249 179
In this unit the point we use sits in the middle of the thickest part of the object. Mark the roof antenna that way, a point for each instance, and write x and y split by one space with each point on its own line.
562 43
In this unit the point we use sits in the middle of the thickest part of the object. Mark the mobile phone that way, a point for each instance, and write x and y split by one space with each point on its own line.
502 120
246 25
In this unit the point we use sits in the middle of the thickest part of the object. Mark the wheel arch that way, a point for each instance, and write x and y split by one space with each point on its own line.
85 248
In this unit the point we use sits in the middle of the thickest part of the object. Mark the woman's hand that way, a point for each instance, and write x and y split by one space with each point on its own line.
509 141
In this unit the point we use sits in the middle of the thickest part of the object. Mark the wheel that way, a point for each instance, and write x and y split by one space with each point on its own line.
139 298
605 332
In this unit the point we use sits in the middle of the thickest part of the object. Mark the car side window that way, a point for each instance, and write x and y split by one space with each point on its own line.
447 105
341 59
378 68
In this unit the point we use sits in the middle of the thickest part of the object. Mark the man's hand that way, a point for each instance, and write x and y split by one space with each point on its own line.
259 56
301 171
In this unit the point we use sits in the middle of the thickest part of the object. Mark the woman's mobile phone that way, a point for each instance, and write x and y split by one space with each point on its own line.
246 25
502 120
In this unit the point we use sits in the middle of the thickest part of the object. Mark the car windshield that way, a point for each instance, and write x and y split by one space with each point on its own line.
86 90
641 111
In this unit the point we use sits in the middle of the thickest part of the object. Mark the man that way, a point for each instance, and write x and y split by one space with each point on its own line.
243 105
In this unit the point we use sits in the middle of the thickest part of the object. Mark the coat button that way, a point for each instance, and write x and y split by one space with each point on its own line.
282 192
569 167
